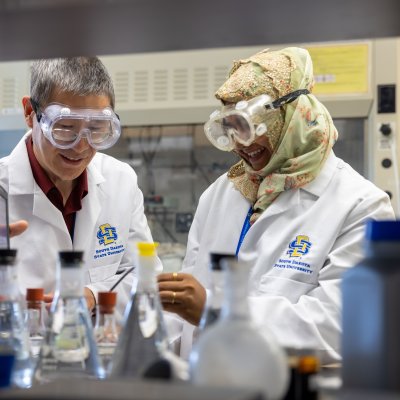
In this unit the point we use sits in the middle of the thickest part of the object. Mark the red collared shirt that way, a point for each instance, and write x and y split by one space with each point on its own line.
74 202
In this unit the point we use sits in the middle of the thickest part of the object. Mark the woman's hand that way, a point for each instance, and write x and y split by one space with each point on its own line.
182 294
16 228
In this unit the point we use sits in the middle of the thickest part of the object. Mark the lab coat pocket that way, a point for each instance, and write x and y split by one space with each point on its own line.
103 272
289 288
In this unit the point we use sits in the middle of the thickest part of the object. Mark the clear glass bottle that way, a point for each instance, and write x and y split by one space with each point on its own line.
106 328
143 339
69 348
232 352
35 320
213 306
13 335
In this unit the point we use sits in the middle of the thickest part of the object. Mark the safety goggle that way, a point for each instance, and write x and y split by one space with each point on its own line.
244 121
64 127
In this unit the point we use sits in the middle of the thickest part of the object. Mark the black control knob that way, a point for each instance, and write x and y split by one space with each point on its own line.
385 129
386 163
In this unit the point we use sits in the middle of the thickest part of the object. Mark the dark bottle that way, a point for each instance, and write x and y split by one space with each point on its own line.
215 297
308 368
143 339
371 312
304 367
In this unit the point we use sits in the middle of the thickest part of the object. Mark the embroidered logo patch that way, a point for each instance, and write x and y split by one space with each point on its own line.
107 234
300 246
297 248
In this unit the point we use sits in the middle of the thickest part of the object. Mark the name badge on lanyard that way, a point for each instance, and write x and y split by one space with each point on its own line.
245 229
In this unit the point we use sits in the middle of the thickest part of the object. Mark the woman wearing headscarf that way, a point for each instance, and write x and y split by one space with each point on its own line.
290 209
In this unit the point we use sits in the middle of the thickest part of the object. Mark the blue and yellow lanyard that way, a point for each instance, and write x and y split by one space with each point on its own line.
245 229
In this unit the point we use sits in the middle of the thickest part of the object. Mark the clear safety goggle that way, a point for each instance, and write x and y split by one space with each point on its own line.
64 127
244 121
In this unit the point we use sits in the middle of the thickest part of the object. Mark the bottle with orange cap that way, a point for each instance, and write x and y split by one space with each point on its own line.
143 340
35 319
304 368
106 329
308 369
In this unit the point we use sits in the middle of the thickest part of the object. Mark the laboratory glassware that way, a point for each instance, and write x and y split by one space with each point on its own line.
13 335
213 305
143 340
69 349
35 320
304 368
233 352
106 329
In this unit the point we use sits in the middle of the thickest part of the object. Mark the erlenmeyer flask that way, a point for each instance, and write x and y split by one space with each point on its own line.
143 339
232 352
69 349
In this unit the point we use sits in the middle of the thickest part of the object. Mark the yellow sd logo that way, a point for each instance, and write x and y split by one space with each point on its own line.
107 234
300 246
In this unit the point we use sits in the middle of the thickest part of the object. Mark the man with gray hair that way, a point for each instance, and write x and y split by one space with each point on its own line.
73 197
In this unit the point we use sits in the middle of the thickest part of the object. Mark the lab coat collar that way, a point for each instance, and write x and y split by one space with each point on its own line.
95 177
19 169
291 198
91 206
285 201
320 183
24 183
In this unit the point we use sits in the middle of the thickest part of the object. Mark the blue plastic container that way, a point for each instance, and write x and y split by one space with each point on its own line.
371 312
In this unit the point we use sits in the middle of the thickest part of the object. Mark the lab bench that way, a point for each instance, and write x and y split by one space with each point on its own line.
157 390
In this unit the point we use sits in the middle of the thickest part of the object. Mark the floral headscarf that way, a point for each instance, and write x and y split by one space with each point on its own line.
301 135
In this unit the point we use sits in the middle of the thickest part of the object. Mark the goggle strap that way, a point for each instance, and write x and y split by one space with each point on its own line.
35 107
290 97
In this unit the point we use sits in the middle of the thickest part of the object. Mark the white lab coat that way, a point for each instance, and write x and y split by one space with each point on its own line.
297 298
113 198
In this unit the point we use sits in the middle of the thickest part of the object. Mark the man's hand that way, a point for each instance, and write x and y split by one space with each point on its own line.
182 294
16 228
90 299
89 296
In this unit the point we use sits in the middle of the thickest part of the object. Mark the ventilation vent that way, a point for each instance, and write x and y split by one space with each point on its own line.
220 75
160 87
140 86
200 83
8 93
180 84
121 85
